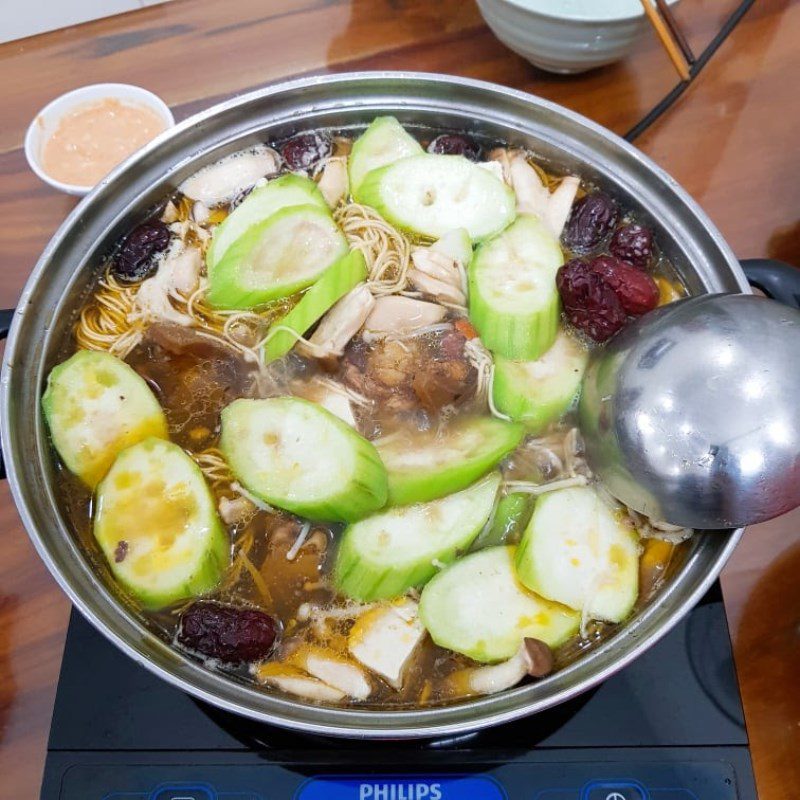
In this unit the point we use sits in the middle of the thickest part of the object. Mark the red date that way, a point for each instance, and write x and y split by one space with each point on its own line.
230 633
306 149
592 218
590 304
633 244
456 144
636 290
134 260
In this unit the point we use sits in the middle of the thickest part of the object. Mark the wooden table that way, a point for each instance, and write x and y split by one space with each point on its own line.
732 141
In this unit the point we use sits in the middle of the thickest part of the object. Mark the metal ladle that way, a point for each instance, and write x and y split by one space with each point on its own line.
691 414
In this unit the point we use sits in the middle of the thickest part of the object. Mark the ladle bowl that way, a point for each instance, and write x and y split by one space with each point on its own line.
691 414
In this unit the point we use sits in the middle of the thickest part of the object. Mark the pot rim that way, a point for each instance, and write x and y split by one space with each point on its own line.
355 723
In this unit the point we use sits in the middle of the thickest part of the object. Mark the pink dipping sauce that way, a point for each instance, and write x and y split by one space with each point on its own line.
93 138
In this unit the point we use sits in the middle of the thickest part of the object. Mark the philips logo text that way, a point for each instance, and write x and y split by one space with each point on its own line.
400 791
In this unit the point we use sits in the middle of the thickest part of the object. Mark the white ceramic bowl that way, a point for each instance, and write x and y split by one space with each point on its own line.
567 35
46 121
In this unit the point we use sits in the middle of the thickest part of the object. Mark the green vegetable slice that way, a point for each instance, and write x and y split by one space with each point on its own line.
332 285
429 464
579 552
298 456
276 258
506 526
513 300
537 393
382 143
157 525
429 195
260 205
95 406
478 607
388 553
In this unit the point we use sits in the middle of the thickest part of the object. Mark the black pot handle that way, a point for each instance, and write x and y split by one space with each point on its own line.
776 279
6 315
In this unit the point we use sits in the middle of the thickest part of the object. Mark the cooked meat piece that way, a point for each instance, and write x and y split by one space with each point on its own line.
426 372
342 322
441 383
178 273
397 314
451 345
180 341
438 289
533 196
382 372
392 363
501 156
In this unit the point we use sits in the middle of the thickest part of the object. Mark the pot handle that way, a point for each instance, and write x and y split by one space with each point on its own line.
6 315
776 279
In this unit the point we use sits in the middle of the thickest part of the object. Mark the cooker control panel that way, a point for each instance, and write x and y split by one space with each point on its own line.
514 780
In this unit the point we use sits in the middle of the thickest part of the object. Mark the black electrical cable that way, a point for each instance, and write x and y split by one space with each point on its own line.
666 103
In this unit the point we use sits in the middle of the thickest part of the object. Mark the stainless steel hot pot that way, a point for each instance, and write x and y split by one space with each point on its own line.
64 274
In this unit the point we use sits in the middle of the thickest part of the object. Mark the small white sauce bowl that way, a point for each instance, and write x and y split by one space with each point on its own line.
46 121
567 36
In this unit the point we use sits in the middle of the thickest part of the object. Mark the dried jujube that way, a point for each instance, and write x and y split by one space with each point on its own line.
231 634
633 244
590 304
135 259
455 144
592 218
636 290
306 149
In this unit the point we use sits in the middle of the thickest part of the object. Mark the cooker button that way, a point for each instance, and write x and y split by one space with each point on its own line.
176 791
614 790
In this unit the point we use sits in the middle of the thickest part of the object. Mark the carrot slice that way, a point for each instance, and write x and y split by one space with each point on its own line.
464 327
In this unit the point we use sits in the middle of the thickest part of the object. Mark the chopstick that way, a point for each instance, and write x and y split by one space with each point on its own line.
674 51
677 33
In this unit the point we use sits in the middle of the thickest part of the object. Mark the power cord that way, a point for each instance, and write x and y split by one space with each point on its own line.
667 102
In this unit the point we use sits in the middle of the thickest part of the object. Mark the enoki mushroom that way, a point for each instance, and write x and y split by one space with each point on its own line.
481 360
298 543
528 487
401 336
657 529
351 394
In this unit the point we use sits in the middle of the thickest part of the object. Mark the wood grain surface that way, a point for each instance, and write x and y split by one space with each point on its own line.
731 141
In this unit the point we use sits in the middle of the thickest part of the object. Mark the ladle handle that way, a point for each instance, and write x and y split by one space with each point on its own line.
776 279
6 315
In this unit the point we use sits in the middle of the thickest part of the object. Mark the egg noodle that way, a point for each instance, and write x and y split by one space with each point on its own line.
386 250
